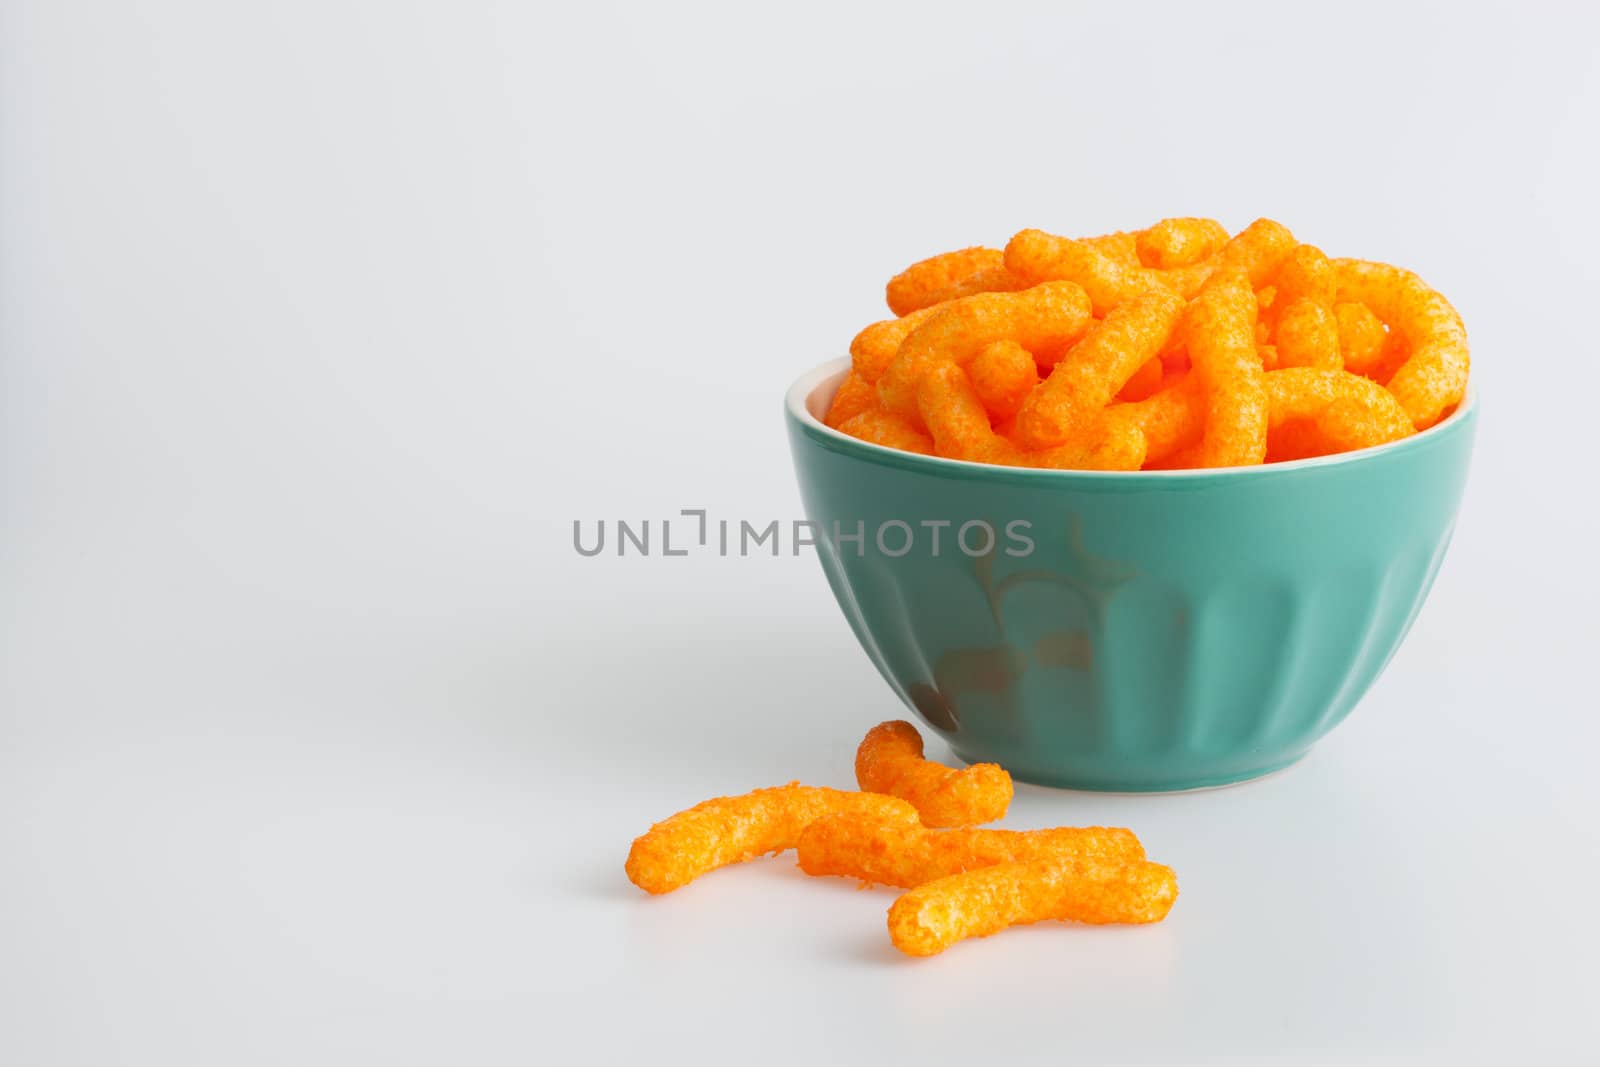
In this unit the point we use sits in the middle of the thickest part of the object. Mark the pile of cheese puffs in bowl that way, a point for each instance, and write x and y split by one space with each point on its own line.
1173 347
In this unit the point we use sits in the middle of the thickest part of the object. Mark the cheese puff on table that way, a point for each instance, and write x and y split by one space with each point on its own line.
897 854
1433 378
930 918
1044 320
889 760
725 830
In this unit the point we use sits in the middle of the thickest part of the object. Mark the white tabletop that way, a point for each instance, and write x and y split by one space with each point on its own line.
322 323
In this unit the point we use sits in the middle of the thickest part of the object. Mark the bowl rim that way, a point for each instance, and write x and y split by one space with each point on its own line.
813 379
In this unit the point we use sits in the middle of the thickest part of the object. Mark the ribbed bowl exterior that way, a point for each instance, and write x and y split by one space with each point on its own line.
1164 631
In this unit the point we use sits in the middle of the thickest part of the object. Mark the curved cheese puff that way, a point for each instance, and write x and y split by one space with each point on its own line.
1044 319
1296 393
1434 377
935 915
854 846
855 395
988 280
879 427
873 349
724 830
1180 242
910 290
1256 250
1219 331
1123 247
1145 381
951 410
1003 375
1307 335
1171 420
1187 281
1350 423
1109 445
1093 370
1361 336
1036 257
889 760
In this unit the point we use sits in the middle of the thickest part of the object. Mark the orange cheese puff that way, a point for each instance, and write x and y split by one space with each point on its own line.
1361 336
1107 445
1036 257
724 830
1393 356
1434 377
1220 334
879 427
1305 273
1180 242
1305 392
935 915
1120 246
988 280
855 846
954 415
855 395
1350 423
1307 335
873 349
909 290
1044 319
889 760
1171 420
1093 370
1269 356
1003 375
1187 281
1145 381
1296 439
1256 250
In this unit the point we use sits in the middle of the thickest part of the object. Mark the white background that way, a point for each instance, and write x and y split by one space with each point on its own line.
322 320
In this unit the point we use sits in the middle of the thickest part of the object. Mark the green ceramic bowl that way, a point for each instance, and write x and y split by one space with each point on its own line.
1139 631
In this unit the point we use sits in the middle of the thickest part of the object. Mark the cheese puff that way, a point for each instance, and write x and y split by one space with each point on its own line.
1269 356
873 349
1120 246
988 280
724 830
1044 319
1350 423
1180 242
1296 439
1434 377
911 289
1393 356
1219 332
855 395
1036 257
1093 370
1256 250
1307 335
1106 445
898 854
1145 381
1305 392
879 427
1171 420
1003 375
935 915
1361 336
953 413
1305 273
889 760
1187 281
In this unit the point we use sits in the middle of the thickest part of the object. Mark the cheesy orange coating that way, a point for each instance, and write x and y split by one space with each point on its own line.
1296 393
1122 246
1146 381
725 830
1044 319
873 349
1220 334
1037 257
1180 242
954 415
1350 423
1434 375
1107 444
1171 420
855 395
1093 370
889 760
855 846
930 918
1307 335
1003 375
988 280
1361 336
879 427
1257 250
1304 274
914 288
